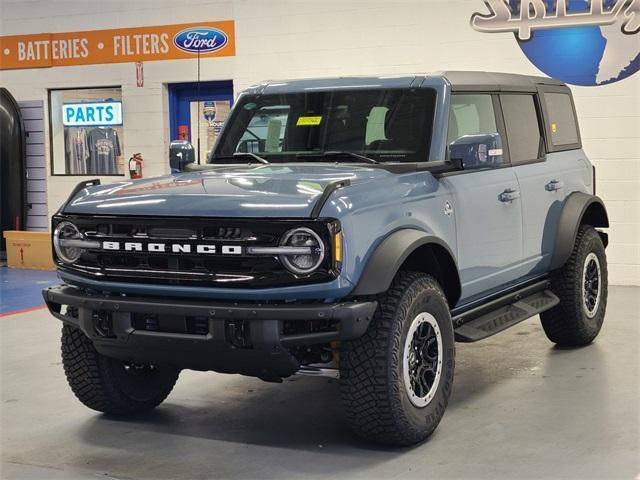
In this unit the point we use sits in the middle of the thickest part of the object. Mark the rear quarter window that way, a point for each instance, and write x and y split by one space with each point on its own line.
563 128
523 127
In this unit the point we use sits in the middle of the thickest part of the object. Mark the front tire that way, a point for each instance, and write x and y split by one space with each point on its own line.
396 380
109 385
581 285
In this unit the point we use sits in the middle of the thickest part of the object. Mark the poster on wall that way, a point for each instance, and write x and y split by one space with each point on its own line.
207 119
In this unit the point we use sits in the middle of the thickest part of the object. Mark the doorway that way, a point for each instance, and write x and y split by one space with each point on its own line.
197 113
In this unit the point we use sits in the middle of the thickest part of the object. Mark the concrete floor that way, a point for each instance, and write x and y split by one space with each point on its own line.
520 409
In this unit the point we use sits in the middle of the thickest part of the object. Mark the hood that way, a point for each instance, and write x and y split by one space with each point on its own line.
276 190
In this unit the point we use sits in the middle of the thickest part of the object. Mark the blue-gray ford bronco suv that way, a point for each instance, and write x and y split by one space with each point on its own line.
358 226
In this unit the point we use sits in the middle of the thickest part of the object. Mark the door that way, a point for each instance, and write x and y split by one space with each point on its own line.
542 179
487 205
197 113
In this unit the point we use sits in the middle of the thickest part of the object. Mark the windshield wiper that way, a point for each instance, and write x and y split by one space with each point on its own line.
243 154
338 153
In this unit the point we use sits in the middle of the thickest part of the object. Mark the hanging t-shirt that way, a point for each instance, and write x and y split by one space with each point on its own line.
104 150
77 150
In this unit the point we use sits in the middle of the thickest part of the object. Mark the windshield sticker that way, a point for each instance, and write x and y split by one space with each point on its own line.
554 128
309 121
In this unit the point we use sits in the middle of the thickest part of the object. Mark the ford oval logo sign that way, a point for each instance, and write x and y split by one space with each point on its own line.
200 39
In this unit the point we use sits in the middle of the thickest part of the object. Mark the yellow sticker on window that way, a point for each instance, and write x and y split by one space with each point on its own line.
309 121
554 128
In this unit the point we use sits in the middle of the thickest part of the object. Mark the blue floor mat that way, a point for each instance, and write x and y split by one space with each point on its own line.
21 289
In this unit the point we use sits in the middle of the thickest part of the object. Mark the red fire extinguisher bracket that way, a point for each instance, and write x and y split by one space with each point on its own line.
135 166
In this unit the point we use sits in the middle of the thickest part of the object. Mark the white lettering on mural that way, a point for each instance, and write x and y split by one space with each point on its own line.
140 44
534 16
36 50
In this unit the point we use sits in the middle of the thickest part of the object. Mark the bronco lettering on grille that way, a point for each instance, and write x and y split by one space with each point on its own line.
172 248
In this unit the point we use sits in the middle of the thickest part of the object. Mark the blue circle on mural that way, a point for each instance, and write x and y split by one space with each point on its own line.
583 55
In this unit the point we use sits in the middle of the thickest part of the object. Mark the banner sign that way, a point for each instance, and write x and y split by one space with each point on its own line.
167 42
92 114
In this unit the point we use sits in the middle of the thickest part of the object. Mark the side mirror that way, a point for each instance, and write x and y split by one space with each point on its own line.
483 150
181 153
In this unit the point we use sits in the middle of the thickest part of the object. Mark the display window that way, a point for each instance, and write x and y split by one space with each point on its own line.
86 131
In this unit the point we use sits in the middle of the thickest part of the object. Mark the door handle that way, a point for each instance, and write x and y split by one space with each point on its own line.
509 195
553 185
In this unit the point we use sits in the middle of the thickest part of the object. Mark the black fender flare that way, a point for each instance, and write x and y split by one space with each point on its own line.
392 253
579 208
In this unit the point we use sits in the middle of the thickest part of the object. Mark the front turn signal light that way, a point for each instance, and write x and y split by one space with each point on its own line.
337 247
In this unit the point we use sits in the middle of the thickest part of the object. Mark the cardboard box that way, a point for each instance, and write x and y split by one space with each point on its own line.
29 250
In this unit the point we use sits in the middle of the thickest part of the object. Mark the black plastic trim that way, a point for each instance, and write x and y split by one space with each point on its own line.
389 256
267 356
463 315
80 186
267 230
570 220
506 316
328 190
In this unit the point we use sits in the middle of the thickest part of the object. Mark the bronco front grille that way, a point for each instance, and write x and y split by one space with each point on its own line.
191 268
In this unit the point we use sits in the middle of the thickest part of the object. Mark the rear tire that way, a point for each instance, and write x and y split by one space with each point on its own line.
109 385
395 381
581 285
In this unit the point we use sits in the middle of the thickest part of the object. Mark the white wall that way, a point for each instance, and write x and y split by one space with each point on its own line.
305 38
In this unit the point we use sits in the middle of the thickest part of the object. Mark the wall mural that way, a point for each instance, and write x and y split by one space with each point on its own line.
580 42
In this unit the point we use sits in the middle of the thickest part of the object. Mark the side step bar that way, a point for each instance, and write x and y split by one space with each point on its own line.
310 371
504 312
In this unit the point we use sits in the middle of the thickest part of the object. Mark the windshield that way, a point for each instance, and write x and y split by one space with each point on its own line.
383 125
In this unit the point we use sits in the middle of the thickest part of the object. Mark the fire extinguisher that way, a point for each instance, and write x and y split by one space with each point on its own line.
135 166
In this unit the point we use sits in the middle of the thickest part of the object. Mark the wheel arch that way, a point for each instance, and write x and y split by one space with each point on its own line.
579 209
414 250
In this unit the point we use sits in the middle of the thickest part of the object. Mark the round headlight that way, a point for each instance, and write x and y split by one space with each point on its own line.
302 238
66 240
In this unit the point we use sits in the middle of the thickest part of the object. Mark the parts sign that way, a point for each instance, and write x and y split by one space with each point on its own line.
92 114
207 39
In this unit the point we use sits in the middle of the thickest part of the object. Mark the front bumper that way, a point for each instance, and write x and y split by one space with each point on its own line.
248 338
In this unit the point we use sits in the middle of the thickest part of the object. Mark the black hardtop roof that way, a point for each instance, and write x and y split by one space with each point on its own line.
459 81
470 80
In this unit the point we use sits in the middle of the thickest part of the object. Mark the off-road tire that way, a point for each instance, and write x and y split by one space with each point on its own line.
568 324
373 392
103 384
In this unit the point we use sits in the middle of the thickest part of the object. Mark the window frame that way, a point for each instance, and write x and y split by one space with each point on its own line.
500 126
542 149
50 132
424 90
551 148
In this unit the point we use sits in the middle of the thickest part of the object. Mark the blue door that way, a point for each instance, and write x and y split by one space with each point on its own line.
487 206
545 178
197 113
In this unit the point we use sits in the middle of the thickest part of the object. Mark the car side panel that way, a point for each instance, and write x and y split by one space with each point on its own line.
545 186
489 231
371 211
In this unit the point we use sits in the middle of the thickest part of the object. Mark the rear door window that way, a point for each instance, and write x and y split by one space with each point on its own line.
563 128
522 126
